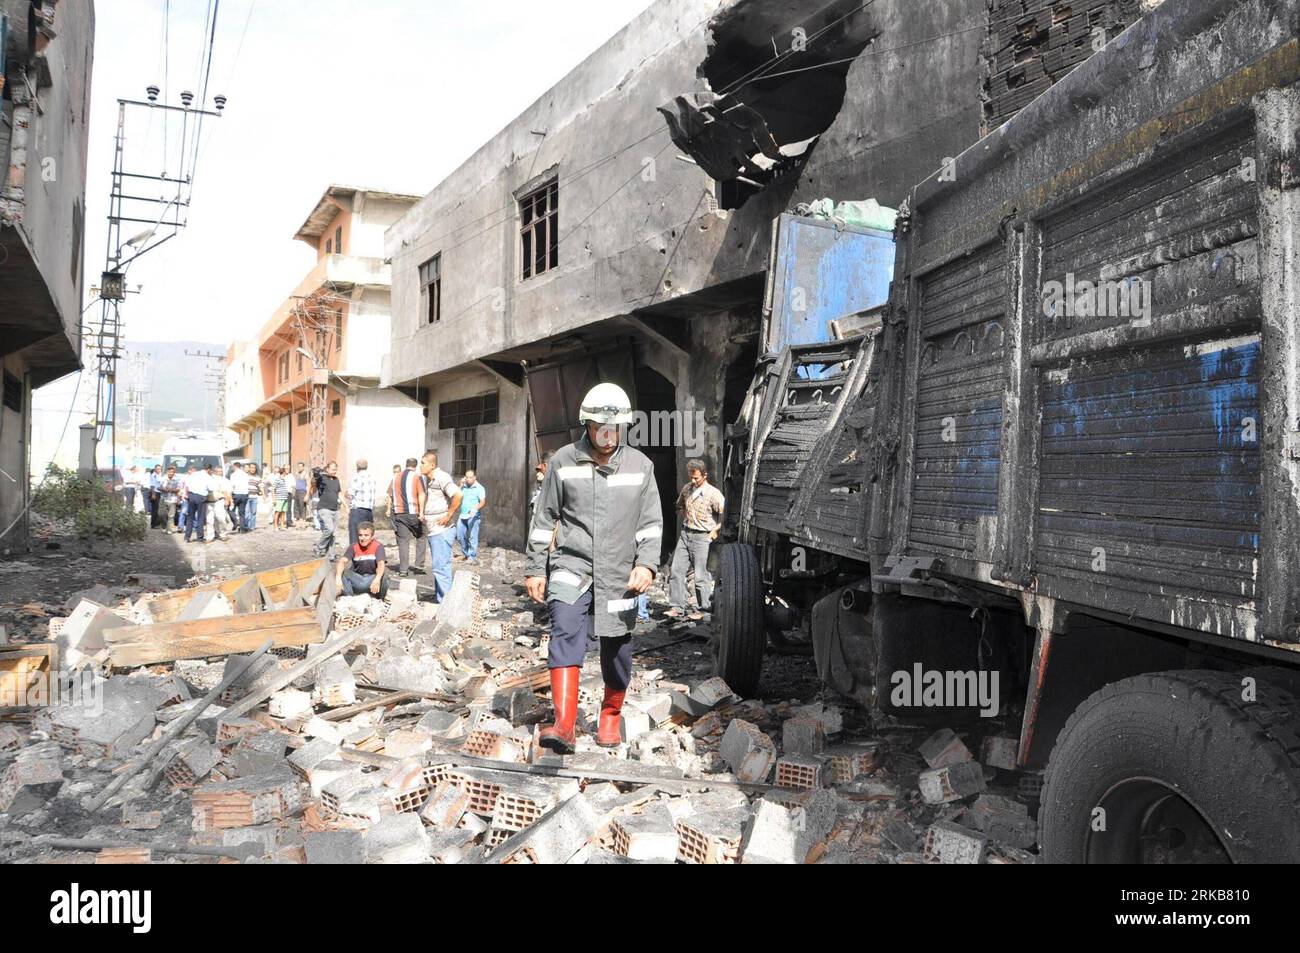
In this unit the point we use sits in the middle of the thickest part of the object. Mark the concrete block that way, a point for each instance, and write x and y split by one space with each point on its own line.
440 724
711 837
650 835
191 761
951 783
120 728
422 674
783 834
84 629
802 735
335 847
409 586
846 762
207 604
335 685
446 806
555 838
258 675
289 703
37 768
800 772
259 752
658 705
1000 751
137 818
399 600
713 692
749 753
634 723
450 847
949 843
831 718
99 594
397 839
264 836
322 775
312 754
944 748
1004 821
10 739
407 743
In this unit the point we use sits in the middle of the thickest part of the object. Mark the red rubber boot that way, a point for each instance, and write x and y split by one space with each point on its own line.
564 696
608 733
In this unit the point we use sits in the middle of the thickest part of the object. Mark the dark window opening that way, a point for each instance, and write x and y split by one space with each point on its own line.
469 412
539 230
465 453
329 246
303 417
338 331
13 398
336 407
338 239
431 289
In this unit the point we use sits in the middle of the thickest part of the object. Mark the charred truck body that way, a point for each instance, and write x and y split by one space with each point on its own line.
1068 451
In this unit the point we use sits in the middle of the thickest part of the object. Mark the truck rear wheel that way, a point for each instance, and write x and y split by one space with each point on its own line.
1175 767
739 637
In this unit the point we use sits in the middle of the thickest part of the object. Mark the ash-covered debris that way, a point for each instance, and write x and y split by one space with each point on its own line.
408 735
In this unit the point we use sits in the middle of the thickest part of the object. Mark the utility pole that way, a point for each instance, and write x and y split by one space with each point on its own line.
136 388
162 213
214 379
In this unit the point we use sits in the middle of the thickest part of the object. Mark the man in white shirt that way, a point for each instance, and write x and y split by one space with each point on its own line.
441 510
197 487
219 512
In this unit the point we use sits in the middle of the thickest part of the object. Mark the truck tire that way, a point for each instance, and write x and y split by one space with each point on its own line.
739 636
1183 771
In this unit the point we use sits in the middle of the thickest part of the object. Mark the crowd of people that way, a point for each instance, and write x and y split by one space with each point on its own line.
208 502
431 513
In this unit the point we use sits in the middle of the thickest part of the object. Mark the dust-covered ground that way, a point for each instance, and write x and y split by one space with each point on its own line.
866 804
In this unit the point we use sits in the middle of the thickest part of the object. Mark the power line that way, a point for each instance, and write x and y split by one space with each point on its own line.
203 95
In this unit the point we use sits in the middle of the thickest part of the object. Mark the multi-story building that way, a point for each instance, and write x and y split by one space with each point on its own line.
620 227
46 50
307 386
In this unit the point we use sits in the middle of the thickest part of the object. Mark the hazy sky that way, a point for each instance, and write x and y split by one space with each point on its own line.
386 93
390 93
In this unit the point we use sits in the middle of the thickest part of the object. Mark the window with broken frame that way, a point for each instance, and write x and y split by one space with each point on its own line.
539 230
431 289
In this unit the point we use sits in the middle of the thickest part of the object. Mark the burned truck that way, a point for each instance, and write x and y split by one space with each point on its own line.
1067 450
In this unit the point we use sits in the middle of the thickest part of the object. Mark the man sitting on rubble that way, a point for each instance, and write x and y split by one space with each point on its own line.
362 568
593 549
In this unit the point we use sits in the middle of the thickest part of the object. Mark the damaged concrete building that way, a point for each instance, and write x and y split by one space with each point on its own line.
45 56
621 227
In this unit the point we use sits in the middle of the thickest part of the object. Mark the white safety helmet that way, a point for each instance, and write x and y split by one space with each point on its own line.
606 404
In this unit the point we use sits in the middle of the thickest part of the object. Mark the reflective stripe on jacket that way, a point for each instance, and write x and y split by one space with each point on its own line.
605 520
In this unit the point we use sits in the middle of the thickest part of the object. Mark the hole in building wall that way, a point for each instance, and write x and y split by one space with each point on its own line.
773 81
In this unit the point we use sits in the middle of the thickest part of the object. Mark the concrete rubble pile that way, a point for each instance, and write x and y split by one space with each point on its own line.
409 736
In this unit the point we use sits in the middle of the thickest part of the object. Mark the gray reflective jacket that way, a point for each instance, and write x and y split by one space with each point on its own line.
604 521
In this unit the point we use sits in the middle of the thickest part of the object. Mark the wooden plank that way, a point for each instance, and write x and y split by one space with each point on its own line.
167 606
19 672
201 638
325 603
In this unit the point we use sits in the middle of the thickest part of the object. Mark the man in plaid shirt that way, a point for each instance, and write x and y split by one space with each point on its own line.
361 500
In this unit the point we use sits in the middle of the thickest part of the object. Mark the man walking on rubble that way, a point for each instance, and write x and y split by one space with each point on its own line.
599 507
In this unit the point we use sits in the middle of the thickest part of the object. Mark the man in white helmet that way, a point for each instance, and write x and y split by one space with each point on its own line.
599 505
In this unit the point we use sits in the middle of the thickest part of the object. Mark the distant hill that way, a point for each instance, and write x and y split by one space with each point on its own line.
175 384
